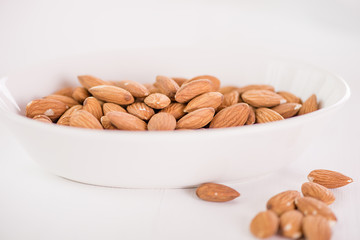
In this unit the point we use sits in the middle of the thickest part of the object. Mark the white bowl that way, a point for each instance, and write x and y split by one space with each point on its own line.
179 158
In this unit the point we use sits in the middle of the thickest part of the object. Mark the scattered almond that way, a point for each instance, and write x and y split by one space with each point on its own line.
291 224
162 121
328 178
65 118
112 94
196 119
316 228
175 109
210 99
262 98
157 100
214 192
312 206
310 105
166 86
126 121
84 119
193 89
49 107
141 110
229 99
310 189
235 115
265 224
93 106
264 115
136 89
283 201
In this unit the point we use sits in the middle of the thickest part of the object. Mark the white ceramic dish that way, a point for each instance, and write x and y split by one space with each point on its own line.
179 158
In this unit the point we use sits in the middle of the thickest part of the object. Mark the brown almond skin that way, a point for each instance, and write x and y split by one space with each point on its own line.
229 99
290 98
80 94
151 88
215 81
49 107
140 110
214 192
251 119
136 89
112 94
313 206
84 119
310 105
65 118
157 100
235 115
287 110
42 118
112 107
175 109
179 80
262 98
227 89
282 202
66 91
193 89
291 224
264 224
68 101
310 189
328 178
126 121
166 86
106 123
316 228
264 115
196 119
255 87
210 99
93 106
88 81
162 122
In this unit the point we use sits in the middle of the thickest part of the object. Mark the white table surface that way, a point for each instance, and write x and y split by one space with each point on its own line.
35 205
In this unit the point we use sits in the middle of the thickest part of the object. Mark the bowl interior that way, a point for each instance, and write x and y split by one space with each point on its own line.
231 66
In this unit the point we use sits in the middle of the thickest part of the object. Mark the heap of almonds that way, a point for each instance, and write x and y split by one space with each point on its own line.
289 213
168 104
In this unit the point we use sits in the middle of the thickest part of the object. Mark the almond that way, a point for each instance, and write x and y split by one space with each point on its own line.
230 99
112 107
80 94
251 118
215 81
140 110
328 178
179 80
290 98
42 118
264 224
136 89
317 191
84 119
316 228
287 110
264 115
291 224
106 123
68 101
49 107
227 89
66 91
151 88
262 98
312 206
162 121
235 115
283 201
192 89
210 99
157 100
126 121
112 94
310 105
88 81
175 109
93 106
166 86
214 192
65 118
255 87
196 119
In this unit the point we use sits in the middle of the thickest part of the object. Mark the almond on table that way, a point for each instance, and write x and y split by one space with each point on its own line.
199 102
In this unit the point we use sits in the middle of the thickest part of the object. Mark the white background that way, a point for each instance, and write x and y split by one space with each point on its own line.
37 205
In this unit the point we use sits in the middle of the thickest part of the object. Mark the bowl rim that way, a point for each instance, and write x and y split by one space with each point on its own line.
298 120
